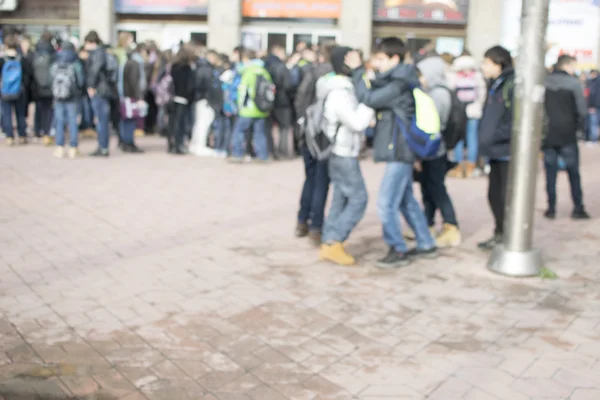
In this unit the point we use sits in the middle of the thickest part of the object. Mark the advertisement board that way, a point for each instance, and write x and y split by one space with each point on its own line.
426 11
573 29
314 9
166 7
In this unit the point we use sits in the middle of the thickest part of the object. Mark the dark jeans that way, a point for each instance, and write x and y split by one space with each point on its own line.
570 155
65 113
178 121
283 118
222 127
101 107
44 114
498 184
435 195
87 116
259 141
19 106
314 192
127 130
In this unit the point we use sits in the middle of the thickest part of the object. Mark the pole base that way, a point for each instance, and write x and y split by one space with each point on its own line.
515 263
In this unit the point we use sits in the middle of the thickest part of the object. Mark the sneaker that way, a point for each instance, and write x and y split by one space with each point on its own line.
393 260
423 253
47 141
261 161
131 148
100 153
301 230
457 172
73 153
550 214
23 141
491 244
410 235
315 237
580 215
335 253
10 142
235 160
181 151
449 237
59 152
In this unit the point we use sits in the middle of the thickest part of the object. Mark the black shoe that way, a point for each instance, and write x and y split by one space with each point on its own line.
180 151
131 148
580 214
491 244
393 260
423 253
301 230
100 153
550 214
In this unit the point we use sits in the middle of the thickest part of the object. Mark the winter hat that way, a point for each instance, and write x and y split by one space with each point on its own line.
338 60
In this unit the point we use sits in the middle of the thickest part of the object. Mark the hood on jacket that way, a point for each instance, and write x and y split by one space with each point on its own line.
330 82
404 72
256 62
44 47
137 57
323 69
558 80
464 63
272 59
66 56
433 70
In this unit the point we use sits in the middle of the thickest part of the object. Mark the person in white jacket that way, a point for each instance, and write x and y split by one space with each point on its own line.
346 123
471 89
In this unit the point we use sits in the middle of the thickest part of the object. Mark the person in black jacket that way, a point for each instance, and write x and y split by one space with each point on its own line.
495 129
184 89
566 110
593 86
204 108
18 104
282 113
45 56
133 88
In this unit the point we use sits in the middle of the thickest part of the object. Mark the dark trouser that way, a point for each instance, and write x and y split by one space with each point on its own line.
283 118
314 192
498 184
435 195
127 130
19 106
179 123
151 118
44 113
101 107
115 117
87 115
570 155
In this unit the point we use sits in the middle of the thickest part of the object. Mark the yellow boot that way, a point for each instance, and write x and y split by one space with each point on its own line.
449 237
10 142
336 253
469 169
457 172
139 133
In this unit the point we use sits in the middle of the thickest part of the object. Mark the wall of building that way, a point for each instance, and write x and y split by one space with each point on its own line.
97 15
44 12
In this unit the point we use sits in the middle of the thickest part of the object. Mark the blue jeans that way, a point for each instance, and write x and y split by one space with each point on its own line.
259 137
472 139
314 192
127 130
593 122
396 194
101 107
222 129
19 106
570 155
65 113
349 198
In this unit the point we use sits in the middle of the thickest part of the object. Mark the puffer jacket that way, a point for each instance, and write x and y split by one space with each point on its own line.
346 118
466 78
390 95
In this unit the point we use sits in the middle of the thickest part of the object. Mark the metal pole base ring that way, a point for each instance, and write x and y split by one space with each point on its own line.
515 263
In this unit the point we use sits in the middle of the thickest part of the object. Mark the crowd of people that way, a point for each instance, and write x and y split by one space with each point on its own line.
426 116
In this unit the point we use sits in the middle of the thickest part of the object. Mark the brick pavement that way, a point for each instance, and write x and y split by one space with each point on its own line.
152 277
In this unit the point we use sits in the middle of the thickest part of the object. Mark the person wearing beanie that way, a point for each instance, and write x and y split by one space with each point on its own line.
346 123
433 172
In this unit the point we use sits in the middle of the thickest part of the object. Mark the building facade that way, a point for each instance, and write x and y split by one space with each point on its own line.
224 24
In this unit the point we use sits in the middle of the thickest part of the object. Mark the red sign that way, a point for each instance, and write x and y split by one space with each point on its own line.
427 11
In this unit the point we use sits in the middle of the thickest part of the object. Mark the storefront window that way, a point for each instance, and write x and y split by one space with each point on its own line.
276 39
302 38
199 38
325 39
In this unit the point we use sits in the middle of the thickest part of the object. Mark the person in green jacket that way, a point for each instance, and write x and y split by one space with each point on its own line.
251 116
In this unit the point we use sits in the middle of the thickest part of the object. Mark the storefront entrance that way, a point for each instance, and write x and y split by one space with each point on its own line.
263 38
165 35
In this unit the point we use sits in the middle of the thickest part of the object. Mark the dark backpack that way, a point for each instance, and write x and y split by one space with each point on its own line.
456 127
41 75
215 95
112 68
64 82
264 96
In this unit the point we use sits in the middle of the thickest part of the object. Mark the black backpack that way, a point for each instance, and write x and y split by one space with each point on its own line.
41 75
215 95
456 127
264 93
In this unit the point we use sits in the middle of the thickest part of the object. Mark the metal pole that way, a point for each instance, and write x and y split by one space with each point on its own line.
517 256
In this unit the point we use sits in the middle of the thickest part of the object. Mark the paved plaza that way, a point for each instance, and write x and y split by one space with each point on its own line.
159 278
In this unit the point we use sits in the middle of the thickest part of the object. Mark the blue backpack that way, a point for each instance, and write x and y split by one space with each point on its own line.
12 80
423 136
230 93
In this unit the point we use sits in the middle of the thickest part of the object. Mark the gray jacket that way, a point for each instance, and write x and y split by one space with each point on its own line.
390 95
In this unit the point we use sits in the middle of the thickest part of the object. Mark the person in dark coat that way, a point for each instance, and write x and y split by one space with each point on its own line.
282 113
134 90
184 88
